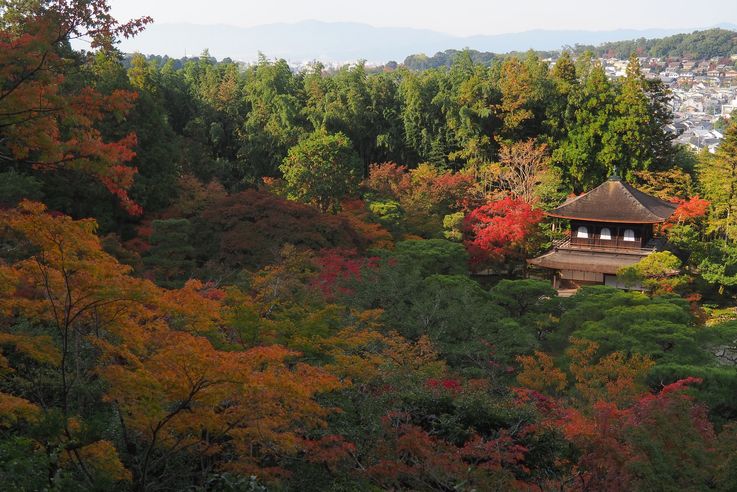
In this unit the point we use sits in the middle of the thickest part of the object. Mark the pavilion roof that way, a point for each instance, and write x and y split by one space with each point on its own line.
616 201
587 261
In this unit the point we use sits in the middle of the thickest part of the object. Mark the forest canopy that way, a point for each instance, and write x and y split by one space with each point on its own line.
697 45
226 278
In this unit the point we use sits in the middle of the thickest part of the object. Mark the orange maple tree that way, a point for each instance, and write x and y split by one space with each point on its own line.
77 292
688 211
631 448
173 390
613 378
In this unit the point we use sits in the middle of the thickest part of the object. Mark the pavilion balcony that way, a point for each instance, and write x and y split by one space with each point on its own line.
614 245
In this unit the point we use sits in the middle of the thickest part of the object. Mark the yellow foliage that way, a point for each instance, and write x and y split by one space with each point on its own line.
14 410
39 348
172 387
182 386
8 280
616 378
191 309
540 374
101 459
74 424
413 357
71 280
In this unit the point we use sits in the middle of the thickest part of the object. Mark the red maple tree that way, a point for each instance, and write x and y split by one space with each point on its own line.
48 122
500 230
689 210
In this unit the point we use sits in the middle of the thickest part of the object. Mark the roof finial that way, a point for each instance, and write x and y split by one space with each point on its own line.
615 175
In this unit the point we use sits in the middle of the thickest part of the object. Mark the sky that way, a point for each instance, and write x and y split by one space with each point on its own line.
457 17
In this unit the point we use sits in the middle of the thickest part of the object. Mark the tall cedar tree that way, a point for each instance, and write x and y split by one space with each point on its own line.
718 179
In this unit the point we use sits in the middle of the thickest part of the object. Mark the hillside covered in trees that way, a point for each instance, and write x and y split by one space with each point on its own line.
698 45
216 279
447 57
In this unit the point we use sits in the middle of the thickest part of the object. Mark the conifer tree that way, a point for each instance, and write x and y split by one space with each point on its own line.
579 156
718 181
626 143
637 139
560 110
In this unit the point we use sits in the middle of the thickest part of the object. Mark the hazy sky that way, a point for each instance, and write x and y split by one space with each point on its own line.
460 17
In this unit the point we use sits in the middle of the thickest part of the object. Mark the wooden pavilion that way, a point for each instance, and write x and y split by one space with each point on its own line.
611 226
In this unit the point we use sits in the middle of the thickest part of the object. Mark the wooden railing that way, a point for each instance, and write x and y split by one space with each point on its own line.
596 245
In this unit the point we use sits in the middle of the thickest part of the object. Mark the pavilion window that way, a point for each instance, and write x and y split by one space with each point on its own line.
629 235
582 232
605 234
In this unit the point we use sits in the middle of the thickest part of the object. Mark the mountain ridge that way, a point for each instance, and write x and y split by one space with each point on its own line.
350 41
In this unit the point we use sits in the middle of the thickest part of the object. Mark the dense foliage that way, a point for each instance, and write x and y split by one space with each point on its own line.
698 45
216 278
125 136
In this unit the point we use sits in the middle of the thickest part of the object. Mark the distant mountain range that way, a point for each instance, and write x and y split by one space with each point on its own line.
347 41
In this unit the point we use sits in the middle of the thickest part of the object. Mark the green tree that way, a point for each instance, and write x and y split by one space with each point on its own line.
658 273
559 107
533 303
578 155
637 139
626 142
661 328
387 122
468 99
157 157
719 264
342 103
718 181
423 120
322 169
432 256
15 186
273 121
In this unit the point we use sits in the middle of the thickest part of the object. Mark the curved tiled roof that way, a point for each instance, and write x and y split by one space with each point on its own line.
616 201
587 261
